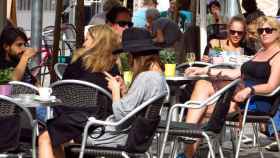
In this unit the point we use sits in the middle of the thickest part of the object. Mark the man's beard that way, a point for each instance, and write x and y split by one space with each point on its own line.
14 58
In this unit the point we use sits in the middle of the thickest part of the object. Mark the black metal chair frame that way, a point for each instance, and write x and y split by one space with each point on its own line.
33 123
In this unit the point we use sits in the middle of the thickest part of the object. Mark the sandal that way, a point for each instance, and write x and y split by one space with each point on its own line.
273 147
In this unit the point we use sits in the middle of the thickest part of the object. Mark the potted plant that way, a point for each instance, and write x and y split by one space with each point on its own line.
127 74
5 77
168 57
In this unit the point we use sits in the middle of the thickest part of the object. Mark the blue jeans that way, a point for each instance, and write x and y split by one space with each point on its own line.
257 103
41 113
276 119
263 104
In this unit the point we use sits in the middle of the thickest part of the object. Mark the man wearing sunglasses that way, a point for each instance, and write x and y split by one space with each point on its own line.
119 18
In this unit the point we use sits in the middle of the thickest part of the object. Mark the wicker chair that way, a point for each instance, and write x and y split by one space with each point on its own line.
147 110
210 130
78 93
10 111
19 87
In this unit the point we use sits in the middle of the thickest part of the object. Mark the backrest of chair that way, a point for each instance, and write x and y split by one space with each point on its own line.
223 66
218 117
153 109
275 105
183 66
69 31
217 31
144 126
48 37
10 122
76 93
19 87
59 69
276 101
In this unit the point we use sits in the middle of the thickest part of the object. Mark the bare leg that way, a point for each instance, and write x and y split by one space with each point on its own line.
203 89
45 147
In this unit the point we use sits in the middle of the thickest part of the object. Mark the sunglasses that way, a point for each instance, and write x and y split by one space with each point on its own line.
233 32
124 23
267 30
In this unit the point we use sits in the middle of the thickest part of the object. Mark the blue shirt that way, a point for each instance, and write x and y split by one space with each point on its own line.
139 18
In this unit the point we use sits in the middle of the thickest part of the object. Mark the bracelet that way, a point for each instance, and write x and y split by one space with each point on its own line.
252 90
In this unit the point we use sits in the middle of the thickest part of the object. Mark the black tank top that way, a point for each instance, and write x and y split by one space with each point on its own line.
257 71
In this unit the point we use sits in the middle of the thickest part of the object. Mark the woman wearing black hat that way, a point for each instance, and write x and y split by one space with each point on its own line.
148 81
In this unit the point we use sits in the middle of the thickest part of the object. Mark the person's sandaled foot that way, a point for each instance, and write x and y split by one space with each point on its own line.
273 147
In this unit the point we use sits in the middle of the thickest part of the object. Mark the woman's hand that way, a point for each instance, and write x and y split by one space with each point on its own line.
192 71
114 86
122 85
242 95
205 58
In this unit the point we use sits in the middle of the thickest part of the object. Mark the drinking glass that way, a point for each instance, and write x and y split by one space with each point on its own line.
190 58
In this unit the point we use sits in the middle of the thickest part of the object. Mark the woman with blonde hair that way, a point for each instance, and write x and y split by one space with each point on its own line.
261 75
88 64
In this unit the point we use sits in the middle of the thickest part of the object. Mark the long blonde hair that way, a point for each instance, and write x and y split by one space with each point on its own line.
273 22
99 57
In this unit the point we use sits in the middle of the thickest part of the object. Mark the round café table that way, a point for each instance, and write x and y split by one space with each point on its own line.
33 101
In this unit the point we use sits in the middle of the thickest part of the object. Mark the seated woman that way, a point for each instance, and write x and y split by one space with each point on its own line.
260 74
87 64
236 34
148 81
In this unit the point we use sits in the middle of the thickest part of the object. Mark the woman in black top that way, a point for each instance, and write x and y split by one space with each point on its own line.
261 75
87 64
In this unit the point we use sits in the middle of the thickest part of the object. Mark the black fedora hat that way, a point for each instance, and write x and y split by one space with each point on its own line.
137 41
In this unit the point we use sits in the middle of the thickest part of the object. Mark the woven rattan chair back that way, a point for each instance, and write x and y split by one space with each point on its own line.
77 93
19 87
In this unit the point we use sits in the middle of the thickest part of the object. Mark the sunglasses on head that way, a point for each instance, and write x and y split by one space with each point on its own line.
233 32
124 23
267 30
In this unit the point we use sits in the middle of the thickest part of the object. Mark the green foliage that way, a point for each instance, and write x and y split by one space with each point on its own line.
124 61
6 75
218 49
167 56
